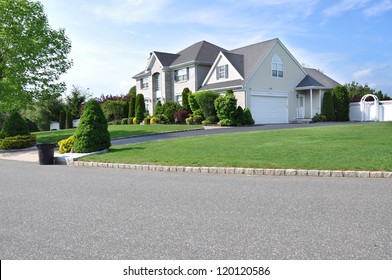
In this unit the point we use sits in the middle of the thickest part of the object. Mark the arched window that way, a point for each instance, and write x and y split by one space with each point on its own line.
277 66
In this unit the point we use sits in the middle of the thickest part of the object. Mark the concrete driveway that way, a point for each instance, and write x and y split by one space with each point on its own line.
62 212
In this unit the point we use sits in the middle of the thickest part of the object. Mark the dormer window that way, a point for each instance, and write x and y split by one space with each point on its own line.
277 66
181 75
222 72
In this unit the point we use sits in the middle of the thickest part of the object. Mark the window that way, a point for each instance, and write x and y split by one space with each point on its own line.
277 66
179 98
156 82
222 72
144 83
181 75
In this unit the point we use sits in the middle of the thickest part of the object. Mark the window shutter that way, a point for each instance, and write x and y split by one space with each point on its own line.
217 72
226 71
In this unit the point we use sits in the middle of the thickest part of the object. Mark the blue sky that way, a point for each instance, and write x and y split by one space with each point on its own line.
111 39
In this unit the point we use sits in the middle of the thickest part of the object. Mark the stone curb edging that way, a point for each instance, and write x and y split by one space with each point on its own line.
240 171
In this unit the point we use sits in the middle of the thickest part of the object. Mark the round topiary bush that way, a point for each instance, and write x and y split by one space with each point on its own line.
92 132
15 125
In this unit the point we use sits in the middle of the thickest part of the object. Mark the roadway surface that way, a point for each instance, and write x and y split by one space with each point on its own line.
63 212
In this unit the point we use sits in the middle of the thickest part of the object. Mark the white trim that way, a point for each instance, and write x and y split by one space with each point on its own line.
282 94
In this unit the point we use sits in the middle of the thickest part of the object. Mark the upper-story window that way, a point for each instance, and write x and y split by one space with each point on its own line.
277 66
144 83
222 72
181 75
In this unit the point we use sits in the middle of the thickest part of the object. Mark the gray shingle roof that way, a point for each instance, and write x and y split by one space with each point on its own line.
237 60
201 52
166 58
316 78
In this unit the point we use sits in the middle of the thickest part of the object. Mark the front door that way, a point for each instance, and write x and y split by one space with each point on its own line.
301 106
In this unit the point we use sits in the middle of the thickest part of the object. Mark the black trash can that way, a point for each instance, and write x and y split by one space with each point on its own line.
46 153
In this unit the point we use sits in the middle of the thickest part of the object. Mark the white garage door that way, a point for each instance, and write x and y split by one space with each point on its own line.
269 107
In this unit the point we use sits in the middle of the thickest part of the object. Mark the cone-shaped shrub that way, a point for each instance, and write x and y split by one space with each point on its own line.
92 132
15 125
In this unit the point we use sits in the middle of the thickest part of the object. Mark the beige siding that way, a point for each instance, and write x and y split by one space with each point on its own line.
292 74
190 83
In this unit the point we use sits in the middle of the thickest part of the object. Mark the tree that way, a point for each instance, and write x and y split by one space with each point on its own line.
15 125
185 101
205 100
226 109
132 102
75 101
92 132
140 108
32 54
341 103
327 108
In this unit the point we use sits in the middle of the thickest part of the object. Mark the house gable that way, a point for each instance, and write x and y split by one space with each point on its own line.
262 76
226 68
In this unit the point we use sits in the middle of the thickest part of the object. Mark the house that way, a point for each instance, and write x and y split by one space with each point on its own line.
265 77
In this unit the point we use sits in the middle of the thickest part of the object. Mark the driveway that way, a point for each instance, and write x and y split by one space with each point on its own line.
63 212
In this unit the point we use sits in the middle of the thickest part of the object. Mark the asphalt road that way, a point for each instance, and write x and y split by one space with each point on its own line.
63 212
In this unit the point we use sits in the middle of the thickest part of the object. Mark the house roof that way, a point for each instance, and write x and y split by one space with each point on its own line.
223 85
166 59
237 60
317 79
202 51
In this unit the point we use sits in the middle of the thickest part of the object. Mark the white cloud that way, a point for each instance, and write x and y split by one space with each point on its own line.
378 9
344 6
364 73
127 11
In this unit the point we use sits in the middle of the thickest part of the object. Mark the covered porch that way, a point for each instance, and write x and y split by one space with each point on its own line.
308 103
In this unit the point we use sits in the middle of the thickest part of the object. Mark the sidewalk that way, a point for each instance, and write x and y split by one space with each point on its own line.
29 155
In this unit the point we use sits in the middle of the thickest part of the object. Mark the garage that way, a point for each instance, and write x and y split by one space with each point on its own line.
269 107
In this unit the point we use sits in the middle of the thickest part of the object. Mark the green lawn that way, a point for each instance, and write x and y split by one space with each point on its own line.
344 147
116 131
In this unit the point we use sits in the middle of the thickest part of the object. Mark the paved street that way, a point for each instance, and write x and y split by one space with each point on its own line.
63 212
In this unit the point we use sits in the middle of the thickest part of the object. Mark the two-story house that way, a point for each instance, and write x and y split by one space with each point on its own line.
265 78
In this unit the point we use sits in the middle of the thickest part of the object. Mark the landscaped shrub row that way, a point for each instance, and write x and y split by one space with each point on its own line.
17 142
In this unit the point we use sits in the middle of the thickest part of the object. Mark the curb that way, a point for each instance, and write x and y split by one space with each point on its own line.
239 170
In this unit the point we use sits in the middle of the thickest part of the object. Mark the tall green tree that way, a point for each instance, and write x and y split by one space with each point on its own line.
327 107
132 102
185 102
75 101
140 108
341 102
32 54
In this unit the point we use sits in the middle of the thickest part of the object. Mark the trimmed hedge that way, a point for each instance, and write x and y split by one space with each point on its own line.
17 142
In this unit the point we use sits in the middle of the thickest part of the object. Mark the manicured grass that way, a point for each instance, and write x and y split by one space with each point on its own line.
116 131
343 147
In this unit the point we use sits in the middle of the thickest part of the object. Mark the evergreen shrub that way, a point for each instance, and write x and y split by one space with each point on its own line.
92 132
15 125
327 107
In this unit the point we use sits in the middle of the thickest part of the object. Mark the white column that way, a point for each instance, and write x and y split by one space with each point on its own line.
311 103
320 101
